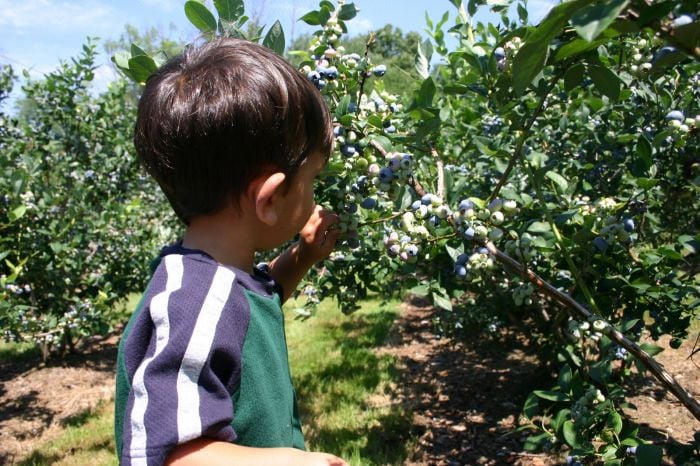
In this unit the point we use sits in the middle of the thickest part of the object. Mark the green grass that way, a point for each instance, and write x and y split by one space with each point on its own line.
18 352
85 440
341 386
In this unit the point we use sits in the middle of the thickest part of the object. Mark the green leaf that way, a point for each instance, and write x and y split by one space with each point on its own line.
651 349
454 252
555 21
577 46
347 12
648 455
422 63
551 395
570 434
17 213
593 19
420 290
646 183
343 105
565 376
615 422
532 406
644 152
200 16
606 81
426 93
229 10
532 56
534 442
539 227
688 35
141 67
121 59
312 18
528 63
442 301
574 77
559 180
274 39
136 50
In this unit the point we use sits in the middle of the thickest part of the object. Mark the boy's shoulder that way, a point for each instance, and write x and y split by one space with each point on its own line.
194 271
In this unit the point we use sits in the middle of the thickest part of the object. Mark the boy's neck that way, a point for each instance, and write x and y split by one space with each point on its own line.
224 236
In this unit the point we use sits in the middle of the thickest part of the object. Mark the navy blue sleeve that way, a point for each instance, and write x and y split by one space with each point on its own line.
183 359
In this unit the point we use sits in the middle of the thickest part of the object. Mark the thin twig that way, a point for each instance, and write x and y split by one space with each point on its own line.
440 173
370 40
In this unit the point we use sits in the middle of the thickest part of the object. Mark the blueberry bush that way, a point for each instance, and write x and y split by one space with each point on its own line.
546 174
78 216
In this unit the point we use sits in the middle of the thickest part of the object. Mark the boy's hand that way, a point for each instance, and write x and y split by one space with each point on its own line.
318 237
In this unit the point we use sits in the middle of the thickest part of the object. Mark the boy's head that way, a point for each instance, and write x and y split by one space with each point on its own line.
215 118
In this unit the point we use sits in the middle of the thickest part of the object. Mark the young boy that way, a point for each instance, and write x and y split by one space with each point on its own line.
235 137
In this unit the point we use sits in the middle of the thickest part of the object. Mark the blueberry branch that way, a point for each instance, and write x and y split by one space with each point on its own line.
440 173
370 41
584 314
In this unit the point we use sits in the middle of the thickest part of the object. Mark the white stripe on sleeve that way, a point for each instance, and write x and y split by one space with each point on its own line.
189 424
159 316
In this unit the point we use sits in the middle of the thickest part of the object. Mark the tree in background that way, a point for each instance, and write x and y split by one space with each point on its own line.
79 219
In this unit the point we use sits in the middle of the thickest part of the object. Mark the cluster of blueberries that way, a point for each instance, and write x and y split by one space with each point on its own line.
614 230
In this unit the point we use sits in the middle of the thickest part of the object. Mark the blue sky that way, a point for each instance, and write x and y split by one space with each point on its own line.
36 34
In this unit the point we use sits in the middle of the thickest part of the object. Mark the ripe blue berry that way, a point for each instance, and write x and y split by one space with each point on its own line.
600 243
379 70
628 225
348 150
466 204
369 203
499 53
394 250
460 270
469 233
330 73
675 115
663 52
416 205
386 175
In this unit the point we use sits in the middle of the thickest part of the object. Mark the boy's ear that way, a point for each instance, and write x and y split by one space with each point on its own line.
266 191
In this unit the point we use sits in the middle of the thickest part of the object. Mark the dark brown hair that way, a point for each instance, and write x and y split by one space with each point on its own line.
213 119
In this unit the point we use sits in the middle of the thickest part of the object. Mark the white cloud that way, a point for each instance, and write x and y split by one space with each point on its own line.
64 15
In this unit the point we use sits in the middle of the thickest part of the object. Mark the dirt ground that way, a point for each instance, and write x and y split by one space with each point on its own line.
465 396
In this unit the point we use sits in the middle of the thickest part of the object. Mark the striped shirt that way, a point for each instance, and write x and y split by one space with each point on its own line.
203 355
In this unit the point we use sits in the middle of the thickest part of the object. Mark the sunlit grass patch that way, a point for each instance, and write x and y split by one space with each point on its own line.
343 385
86 440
